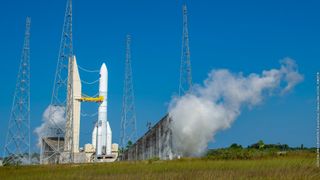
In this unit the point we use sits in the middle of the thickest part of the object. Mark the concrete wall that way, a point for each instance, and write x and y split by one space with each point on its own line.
76 106
156 143
73 108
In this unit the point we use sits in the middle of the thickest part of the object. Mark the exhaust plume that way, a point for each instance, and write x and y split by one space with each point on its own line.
48 128
213 106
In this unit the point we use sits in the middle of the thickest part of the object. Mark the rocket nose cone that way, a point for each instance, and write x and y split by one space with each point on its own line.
103 68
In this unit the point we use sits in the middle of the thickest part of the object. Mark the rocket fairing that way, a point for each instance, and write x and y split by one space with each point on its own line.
102 134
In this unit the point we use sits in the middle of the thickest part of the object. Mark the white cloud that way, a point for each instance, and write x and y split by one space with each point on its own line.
53 116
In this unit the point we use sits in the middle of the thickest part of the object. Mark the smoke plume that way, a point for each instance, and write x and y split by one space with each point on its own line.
48 127
213 106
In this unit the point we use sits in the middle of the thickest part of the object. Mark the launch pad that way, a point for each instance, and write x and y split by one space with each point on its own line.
101 148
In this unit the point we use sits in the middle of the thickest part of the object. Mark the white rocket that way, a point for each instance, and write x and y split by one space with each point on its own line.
102 134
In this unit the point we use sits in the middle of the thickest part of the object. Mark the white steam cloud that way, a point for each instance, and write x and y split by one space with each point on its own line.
47 128
212 107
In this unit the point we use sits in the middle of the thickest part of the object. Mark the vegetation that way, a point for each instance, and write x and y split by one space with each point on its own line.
123 149
285 167
129 144
258 150
258 161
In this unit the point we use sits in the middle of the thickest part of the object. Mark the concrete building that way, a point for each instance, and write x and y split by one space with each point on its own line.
77 90
156 143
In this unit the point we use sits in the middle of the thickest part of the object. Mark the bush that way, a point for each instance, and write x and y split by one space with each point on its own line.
151 160
240 154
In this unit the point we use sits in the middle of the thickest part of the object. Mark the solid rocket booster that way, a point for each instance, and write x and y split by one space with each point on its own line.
109 138
104 134
94 136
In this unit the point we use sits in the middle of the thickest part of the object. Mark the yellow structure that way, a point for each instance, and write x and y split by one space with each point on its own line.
98 99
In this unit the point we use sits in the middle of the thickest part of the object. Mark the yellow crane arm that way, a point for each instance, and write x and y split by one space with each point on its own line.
98 99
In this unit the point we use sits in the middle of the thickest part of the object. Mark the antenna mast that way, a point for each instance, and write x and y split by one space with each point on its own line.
17 146
60 91
185 84
128 118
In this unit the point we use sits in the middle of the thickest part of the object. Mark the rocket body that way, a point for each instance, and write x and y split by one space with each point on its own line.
102 130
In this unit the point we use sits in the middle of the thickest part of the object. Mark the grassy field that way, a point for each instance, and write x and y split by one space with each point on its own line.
287 167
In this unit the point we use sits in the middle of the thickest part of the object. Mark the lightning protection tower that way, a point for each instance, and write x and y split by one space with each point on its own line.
128 117
59 97
17 145
185 84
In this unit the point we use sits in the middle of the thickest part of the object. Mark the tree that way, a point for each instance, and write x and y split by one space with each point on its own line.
235 146
129 144
261 144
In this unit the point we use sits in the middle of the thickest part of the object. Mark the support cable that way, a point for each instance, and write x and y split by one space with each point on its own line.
87 70
90 83
85 95
89 115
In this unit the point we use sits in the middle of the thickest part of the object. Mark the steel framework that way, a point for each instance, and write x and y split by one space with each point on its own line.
185 84
128 128
318 120
17 145
60 92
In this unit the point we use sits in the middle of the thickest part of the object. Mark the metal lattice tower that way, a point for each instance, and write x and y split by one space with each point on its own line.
68 138
60 90
17 145
185 84
128 117
318 120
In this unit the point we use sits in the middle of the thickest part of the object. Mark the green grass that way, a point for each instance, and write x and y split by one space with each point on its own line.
295 166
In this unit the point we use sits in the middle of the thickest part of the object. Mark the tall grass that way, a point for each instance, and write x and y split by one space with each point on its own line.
286 167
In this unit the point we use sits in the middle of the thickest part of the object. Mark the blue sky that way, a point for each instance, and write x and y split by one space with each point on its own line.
246 36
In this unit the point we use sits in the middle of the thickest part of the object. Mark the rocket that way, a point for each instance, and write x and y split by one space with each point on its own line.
102 134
